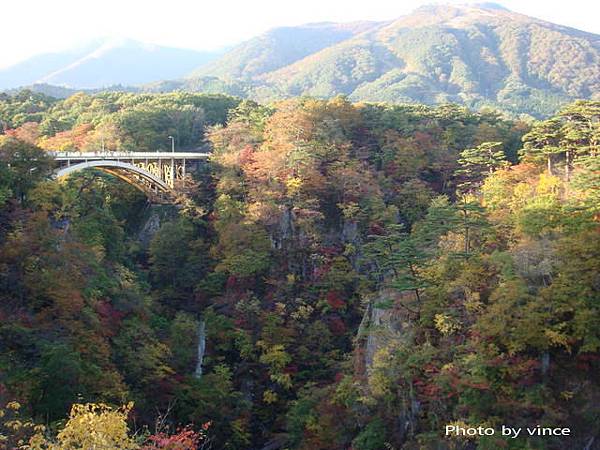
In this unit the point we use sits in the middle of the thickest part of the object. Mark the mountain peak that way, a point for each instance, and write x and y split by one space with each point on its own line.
478 54
435 8
490 5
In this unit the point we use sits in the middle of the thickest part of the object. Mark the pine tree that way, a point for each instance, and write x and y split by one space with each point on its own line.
398 259
472 219
542 143
580 132
477 163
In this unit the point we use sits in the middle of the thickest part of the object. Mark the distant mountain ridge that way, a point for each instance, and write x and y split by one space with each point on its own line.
478 55
481 55
105 63
280 47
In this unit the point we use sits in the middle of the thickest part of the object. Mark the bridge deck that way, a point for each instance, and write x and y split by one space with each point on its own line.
82 156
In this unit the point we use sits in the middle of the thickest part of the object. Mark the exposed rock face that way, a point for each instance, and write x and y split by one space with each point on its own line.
350 231
149 229
385 327
201 347
534 260
156 216
385 324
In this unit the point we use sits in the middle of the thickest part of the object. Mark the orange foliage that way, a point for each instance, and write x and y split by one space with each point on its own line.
28 132
74 139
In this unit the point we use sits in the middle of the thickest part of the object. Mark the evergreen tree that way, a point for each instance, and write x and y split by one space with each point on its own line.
398 259
477 163
542 143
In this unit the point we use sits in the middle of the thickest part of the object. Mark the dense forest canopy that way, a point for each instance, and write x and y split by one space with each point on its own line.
115 120
354 276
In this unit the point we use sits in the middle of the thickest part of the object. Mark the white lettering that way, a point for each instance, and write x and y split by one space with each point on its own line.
513 433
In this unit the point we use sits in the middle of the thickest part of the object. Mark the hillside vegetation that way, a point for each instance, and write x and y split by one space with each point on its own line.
478 56
361 277
475 55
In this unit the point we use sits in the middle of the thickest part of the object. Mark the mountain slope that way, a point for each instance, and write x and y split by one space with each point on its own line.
33 69
278 48
479 55
104 64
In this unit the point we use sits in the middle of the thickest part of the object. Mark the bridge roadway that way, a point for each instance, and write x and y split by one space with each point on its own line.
89 156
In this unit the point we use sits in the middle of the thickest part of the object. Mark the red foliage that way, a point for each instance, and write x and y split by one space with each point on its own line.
231 282
335 300
427 391
376 229
431 369
336 325
586 361
109 317
391 168
28 132
424 140
318 272
291 369
184 439
330 251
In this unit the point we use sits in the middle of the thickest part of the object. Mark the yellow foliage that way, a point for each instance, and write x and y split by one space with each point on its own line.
382 379
567 395
473 302
277 359
293 185
548 184
91 426
445 324
269 397
558 339
14 430
303 312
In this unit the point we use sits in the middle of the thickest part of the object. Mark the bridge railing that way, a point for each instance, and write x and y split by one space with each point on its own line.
71 155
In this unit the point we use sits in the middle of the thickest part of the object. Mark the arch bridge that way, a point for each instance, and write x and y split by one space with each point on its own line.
157 174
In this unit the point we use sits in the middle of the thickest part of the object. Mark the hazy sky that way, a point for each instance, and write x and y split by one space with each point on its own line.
36 26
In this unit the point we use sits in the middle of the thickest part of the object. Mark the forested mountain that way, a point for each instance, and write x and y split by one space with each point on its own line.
478 55
279 48
343 276
104 63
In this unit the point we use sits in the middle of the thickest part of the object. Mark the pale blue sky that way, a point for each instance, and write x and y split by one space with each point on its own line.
36 26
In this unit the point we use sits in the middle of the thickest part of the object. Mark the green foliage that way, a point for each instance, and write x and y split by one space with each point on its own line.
24 165
372 437
476 163
351 297
59 381
178 259
117 121
400 258
487 58
183 339
25 106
